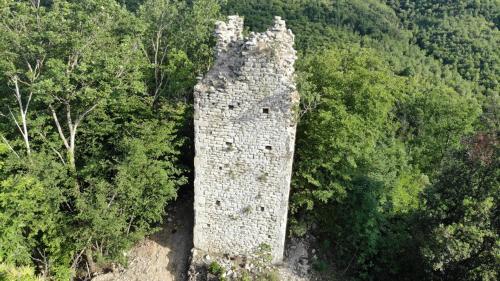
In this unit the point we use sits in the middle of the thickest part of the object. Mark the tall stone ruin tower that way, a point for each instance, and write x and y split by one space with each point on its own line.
245 122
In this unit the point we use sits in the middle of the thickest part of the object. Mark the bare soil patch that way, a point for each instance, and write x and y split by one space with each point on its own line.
163 256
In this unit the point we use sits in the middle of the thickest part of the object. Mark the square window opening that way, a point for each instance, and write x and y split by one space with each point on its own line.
217 203
265 110
262 209
268 147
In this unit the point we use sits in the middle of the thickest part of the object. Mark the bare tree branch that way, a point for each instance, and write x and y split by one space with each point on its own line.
69 120
53 149
84 114
15 121
23 110
35 3
28 103
10 147
58 125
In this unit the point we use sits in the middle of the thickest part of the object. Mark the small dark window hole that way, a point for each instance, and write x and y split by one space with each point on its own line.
217 203
220 168
208 224
262 209
231 107
268 147
265 110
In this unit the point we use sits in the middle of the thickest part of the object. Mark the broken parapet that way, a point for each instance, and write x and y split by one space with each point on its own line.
229 32
245 123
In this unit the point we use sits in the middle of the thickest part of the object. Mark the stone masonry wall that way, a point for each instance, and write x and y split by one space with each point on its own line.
245 126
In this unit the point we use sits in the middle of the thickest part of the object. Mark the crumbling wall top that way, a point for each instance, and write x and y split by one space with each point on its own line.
230 35
231 31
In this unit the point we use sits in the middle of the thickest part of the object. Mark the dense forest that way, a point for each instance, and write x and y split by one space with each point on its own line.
396 166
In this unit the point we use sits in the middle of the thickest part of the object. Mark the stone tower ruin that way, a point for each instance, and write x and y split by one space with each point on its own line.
245 122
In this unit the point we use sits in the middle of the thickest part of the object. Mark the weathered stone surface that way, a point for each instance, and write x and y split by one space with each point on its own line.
244 135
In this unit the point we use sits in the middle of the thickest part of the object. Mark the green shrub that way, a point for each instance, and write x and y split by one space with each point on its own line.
12 273
216 269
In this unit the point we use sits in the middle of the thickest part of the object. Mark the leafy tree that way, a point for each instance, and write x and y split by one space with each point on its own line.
178 44
352 175
463 216
33 227
434 118
462 35
368 137
350 95
78 134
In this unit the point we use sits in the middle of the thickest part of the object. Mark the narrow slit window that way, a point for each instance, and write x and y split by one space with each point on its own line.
265 110
268 147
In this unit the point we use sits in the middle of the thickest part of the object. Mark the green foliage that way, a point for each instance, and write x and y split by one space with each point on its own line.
216 269
462 214
434 118
352 175
100 155
178 44
31 219
264 253
366 17
12 273
350 94
464 36
361 153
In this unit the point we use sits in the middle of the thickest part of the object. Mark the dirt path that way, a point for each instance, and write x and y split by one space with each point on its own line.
164 255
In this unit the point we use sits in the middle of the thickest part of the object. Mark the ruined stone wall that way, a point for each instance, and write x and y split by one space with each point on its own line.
245 126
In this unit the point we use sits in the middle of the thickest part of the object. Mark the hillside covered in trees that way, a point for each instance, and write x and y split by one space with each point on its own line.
396 166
